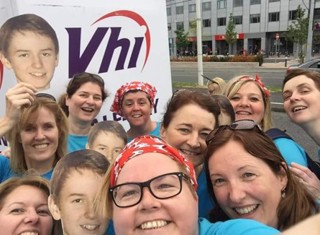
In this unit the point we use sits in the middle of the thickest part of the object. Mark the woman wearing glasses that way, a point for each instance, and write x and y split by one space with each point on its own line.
37 141
189 118
248 178
134 101
82 103
151 189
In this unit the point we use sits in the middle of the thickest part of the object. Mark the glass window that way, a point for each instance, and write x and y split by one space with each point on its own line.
222 21
192 8
179 26
237 3
237 19
274 16
254 18
169 26
274 0
168 11
254 2
221 4
206 23
293 15
206 6
179 10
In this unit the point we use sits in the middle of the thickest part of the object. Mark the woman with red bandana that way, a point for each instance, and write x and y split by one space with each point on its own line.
151 189
134 101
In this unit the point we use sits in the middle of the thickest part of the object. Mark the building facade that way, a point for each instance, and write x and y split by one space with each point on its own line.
260 24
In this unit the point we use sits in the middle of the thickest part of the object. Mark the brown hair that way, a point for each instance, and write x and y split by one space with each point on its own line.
315 76
234 85
108 127
76 82
297 204
17 160
23 23
184 97
85 159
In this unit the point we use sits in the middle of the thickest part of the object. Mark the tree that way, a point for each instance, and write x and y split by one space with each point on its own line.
231 34
298 31
182 40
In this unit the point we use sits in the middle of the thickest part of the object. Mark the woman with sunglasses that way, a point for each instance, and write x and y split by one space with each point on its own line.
251 100
151 189
134 101
38 140
82 103
248 178
190 116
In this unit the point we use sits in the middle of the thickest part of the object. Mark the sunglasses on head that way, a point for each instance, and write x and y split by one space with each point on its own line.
86 75
46 95
245 124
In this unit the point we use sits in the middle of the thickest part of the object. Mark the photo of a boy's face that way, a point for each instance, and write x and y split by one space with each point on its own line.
32 57
29 46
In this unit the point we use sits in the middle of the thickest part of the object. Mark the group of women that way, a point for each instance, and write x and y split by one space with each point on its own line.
213 171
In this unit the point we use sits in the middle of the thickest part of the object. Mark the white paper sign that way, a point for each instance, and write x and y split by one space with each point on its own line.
122 41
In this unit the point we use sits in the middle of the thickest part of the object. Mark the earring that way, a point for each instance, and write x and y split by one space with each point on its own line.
283 193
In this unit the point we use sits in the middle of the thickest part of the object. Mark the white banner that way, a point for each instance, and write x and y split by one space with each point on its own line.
121 41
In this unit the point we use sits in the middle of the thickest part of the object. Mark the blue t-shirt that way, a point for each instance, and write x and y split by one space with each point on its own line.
154 132
7 173
110 230
76 142
235 227
205 203
291 151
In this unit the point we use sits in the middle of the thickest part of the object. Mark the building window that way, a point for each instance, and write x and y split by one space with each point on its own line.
168 11
192 8
255 2
274 16
254 18
206 6
237 3
179 10
274 0
180 26
206 23
169 26
222 21
293 15
221 4
237 19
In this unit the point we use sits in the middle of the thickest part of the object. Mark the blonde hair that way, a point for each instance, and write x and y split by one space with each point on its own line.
234 85
17 160
220 82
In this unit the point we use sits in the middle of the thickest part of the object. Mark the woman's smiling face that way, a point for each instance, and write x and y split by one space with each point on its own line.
244 185
151 215
188 130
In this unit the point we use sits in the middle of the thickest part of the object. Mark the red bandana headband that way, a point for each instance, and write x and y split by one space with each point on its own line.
257 79
149 144
131 86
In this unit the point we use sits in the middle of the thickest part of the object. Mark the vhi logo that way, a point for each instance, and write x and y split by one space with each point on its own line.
129 49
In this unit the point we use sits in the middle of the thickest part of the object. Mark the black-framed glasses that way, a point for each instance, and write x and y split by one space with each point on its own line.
161 187
46 96
245 124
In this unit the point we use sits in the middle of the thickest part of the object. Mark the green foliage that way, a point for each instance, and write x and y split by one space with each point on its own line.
182 39
231 34
298 30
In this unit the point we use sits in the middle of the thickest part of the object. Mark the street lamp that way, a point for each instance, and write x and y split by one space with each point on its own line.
199 43
310 30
